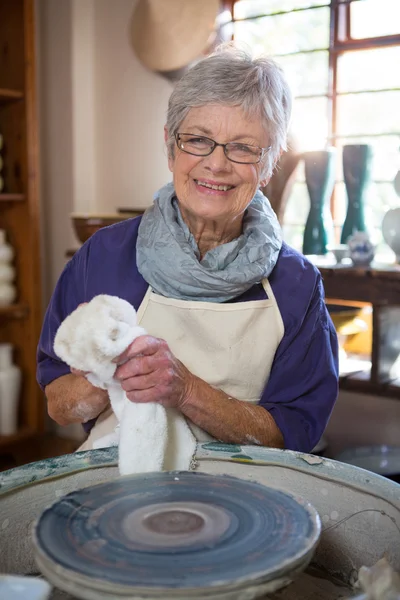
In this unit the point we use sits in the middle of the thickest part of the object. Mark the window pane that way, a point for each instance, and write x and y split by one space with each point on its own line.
340 205
298 205
283 34
369 69
386 156
293 235
254 8
315 64
310 123
369 113
379 198
374 18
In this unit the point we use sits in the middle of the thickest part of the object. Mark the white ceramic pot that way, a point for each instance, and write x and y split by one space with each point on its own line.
391 231
8 294
361 249
6 251
10 385
7 273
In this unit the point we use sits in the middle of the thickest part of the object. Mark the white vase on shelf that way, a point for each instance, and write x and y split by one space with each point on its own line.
8 292
391 231
10 386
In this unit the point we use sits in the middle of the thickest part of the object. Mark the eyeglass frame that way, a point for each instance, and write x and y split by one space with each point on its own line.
262 154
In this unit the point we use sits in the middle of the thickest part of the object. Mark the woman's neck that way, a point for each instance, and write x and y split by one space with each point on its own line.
209 234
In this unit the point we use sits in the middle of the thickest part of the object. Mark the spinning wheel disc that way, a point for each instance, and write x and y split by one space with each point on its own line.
179 534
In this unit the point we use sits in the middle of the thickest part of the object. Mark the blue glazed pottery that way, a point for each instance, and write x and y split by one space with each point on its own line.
357 159
320 179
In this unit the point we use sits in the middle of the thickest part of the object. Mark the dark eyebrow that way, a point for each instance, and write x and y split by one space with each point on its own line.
237 139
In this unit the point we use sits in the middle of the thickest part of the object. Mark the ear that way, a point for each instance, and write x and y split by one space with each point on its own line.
170 158
264 182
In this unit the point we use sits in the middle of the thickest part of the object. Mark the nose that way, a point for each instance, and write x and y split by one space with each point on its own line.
217 161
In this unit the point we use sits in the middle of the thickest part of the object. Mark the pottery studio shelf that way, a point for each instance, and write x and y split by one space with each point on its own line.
10 95
379 287
21 435
14 311
20 212
12 197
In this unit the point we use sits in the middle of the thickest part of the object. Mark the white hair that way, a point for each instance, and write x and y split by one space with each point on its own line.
231 76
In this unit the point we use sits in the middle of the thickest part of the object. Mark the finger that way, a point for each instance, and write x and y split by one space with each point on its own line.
140 382
144 344
143 396
141 365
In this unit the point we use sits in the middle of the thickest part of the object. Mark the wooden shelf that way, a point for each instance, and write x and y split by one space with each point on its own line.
7 96
20 436
12 197
20 323
379 287
361 384
373 285
14 311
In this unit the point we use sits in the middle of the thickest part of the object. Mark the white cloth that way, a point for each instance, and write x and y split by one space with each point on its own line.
231 346
150 437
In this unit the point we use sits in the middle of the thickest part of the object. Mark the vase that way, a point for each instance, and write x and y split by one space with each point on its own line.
361 249
391 231
8 291
320 179
357 159
10 385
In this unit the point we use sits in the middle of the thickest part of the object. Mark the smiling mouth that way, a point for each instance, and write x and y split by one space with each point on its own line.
219 188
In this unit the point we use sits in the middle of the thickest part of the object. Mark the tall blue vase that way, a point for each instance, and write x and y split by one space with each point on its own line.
357 159
320 179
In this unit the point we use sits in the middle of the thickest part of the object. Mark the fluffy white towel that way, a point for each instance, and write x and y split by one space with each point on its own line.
151 438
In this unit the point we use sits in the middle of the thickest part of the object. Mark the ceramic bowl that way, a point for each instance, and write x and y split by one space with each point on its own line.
85 225
383 460
339 251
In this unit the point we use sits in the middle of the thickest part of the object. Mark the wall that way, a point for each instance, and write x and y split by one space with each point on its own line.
101 119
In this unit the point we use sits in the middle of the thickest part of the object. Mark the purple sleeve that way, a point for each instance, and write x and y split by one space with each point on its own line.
303 383
66 297
105 264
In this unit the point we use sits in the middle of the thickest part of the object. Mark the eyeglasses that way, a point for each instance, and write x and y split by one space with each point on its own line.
198 145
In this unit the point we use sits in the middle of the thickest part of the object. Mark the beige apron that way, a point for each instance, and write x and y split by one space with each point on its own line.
231 346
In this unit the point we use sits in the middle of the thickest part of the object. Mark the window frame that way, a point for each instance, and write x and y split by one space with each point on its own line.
340 42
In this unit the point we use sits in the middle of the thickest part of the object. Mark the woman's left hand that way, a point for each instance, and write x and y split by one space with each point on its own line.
149 372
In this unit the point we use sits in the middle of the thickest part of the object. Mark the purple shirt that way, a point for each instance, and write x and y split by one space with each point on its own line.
303 383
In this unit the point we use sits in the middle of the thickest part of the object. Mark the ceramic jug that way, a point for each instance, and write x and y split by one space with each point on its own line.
320 179
8 291
10 385
357 161
391 231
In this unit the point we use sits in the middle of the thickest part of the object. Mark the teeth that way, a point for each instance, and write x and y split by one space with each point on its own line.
222 188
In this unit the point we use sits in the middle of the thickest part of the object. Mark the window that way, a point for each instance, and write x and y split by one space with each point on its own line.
342 59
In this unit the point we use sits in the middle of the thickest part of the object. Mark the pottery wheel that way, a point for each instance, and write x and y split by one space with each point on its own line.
174 535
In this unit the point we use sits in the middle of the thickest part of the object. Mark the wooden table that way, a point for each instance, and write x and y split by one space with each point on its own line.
379 287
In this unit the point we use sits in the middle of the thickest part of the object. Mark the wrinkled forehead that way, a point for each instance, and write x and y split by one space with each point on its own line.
238 119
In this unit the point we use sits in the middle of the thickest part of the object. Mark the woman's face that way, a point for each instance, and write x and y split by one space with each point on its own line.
223 124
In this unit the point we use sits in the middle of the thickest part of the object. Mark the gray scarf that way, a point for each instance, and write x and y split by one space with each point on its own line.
168 256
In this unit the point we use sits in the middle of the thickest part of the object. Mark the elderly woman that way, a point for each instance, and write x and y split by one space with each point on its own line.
239 338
